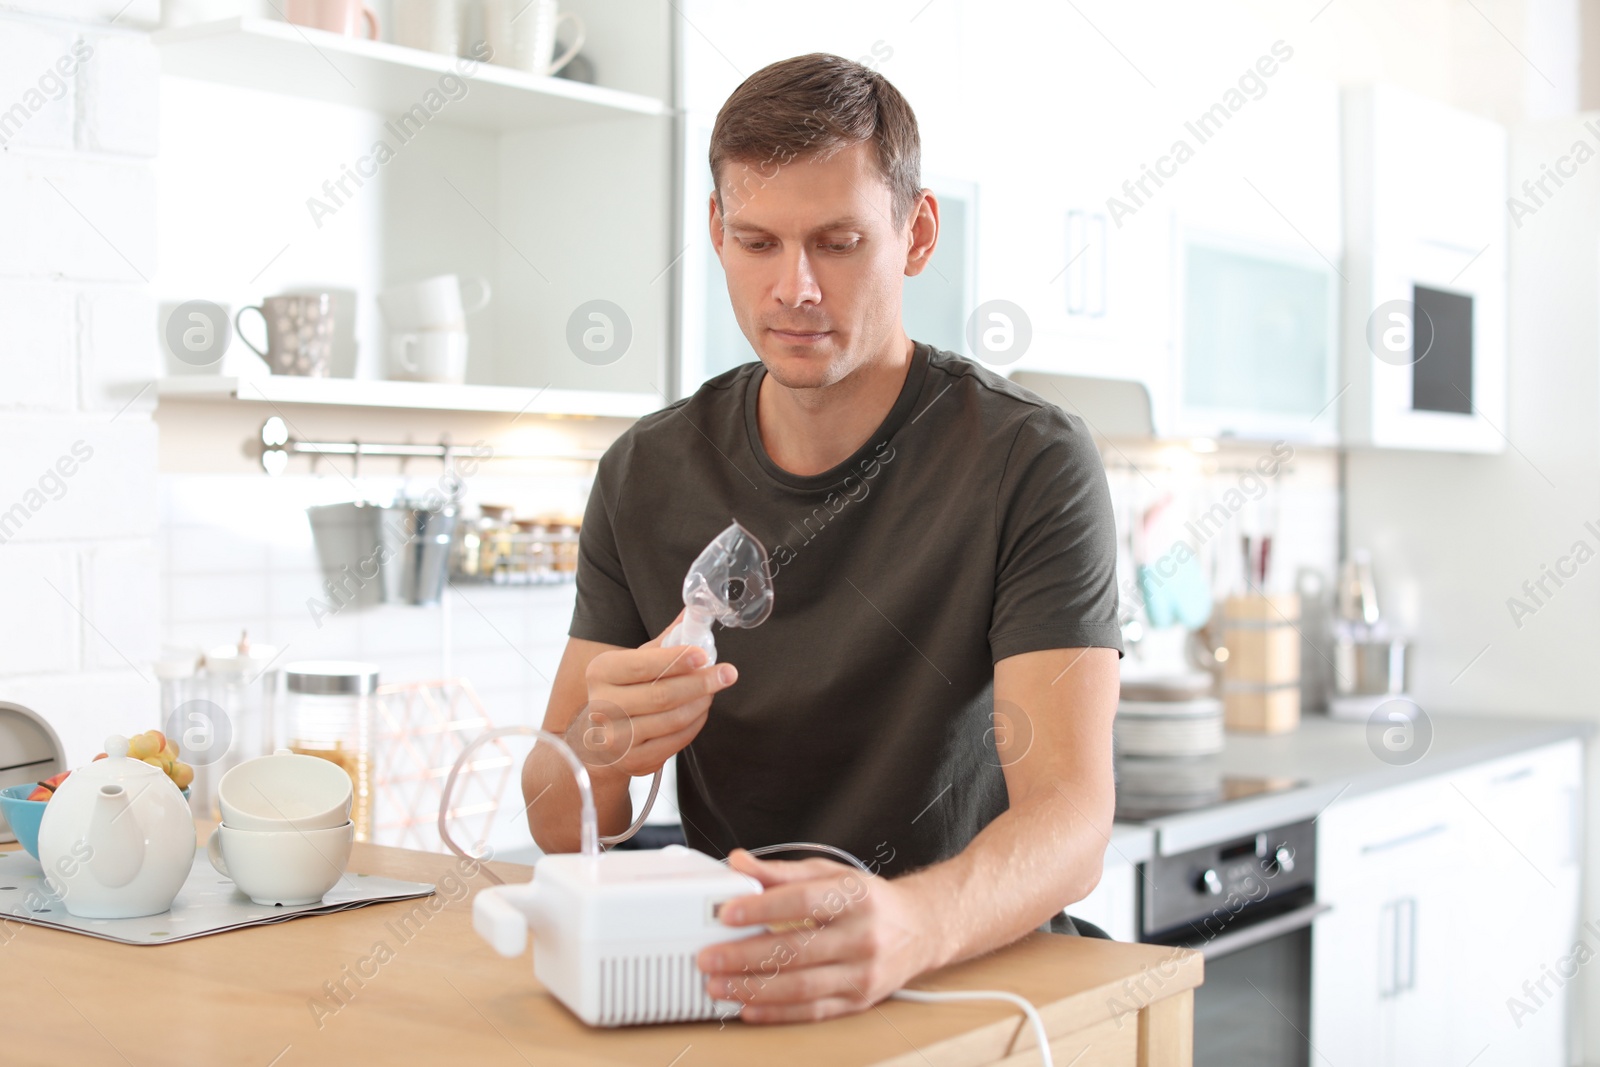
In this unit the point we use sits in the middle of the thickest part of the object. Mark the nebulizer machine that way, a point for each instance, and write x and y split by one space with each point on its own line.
616 934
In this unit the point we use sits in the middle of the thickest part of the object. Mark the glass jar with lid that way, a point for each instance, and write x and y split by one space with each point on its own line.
328 713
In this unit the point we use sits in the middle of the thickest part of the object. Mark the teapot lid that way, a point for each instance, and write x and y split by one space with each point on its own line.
117 764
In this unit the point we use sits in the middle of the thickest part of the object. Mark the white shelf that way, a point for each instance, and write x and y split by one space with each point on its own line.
429 396
279 57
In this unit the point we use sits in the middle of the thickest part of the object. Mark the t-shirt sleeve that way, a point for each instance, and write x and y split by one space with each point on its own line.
605 610
1056 571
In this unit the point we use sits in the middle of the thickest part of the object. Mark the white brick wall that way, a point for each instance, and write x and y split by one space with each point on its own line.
119 104
79 573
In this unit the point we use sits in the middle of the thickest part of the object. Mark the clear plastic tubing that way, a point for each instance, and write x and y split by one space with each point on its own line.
589 822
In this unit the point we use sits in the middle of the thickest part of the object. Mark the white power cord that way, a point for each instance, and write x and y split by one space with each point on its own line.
926 997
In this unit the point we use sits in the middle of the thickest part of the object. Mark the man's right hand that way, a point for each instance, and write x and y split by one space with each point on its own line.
645 705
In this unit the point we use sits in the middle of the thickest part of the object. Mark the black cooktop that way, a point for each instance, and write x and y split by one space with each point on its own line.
1150 789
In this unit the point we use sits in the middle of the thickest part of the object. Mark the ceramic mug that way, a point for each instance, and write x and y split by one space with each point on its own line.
432 25
287 867
335 16
299 333
285 791
429 356
522 34
433 303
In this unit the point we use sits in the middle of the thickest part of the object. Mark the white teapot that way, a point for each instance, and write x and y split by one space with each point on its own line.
117 839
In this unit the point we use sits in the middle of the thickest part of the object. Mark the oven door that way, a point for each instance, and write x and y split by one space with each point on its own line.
1254 1009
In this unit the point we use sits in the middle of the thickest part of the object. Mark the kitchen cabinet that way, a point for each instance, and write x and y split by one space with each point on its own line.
1447 894
1257 247
1425 300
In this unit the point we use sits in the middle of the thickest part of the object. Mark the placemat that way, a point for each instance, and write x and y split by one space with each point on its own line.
208 903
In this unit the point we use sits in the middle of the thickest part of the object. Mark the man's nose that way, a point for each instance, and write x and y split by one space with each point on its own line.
797 284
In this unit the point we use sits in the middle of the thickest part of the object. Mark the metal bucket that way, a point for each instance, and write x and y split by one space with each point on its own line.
350 548
371 554
418 553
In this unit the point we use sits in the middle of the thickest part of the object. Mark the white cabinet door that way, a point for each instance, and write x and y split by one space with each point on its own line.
1256 269
1382 863
1519 906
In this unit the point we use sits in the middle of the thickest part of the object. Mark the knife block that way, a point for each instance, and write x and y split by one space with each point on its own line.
1261 678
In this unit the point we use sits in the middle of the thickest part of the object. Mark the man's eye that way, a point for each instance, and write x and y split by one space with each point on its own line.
841 246
755 246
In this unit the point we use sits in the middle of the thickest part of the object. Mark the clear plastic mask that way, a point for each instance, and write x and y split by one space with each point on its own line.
727 583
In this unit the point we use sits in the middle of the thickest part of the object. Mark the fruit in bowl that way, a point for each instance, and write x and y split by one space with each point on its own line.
43 790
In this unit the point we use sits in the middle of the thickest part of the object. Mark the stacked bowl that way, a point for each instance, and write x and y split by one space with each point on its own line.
286 832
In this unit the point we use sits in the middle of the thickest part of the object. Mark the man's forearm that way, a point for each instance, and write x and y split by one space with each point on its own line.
1035 858
554 807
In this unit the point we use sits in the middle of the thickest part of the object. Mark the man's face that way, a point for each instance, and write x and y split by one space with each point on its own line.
814 262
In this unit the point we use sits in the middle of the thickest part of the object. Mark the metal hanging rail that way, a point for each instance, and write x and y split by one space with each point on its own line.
278 444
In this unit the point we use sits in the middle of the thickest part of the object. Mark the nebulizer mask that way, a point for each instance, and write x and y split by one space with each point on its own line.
727 583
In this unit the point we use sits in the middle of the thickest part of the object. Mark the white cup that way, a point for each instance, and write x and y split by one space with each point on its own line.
522 34
432 25
432 304
429 356
285 791
285 867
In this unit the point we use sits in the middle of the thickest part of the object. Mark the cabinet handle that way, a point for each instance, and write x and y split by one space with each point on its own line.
1404 839
1388 952
1407 979
1266 930
1574 833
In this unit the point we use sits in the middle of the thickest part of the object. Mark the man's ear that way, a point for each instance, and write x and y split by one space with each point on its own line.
716 226
924 233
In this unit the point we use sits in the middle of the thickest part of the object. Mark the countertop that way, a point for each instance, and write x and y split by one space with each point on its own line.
411 983
1330 758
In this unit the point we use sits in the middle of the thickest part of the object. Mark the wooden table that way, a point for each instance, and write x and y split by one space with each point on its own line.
364 987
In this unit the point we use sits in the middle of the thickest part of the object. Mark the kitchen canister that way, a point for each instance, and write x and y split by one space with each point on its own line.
1261 678
328 713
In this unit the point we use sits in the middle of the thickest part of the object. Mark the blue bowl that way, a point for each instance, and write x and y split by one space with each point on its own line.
23 814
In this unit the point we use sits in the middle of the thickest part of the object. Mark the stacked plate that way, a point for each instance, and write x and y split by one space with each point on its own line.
1168 717
1154 786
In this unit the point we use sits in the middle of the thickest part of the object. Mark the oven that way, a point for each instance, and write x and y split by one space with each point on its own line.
1247 905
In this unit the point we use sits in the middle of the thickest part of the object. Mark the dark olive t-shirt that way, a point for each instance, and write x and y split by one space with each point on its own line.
974 525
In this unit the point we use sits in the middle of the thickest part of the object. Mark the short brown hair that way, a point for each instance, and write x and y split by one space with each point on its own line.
815 105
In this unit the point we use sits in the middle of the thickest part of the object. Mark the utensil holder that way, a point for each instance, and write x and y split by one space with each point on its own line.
1261 678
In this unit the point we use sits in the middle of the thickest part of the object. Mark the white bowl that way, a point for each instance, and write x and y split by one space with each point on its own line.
285 791
286 867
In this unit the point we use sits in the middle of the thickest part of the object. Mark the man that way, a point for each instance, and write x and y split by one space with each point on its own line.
934 689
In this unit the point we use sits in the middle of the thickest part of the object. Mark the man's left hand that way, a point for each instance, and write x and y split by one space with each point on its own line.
842 940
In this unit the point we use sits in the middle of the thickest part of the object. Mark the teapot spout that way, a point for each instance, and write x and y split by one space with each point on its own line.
115 839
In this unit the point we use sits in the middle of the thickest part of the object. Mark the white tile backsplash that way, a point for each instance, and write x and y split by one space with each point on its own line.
123 580
39 373
30 52
40 629
119 95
